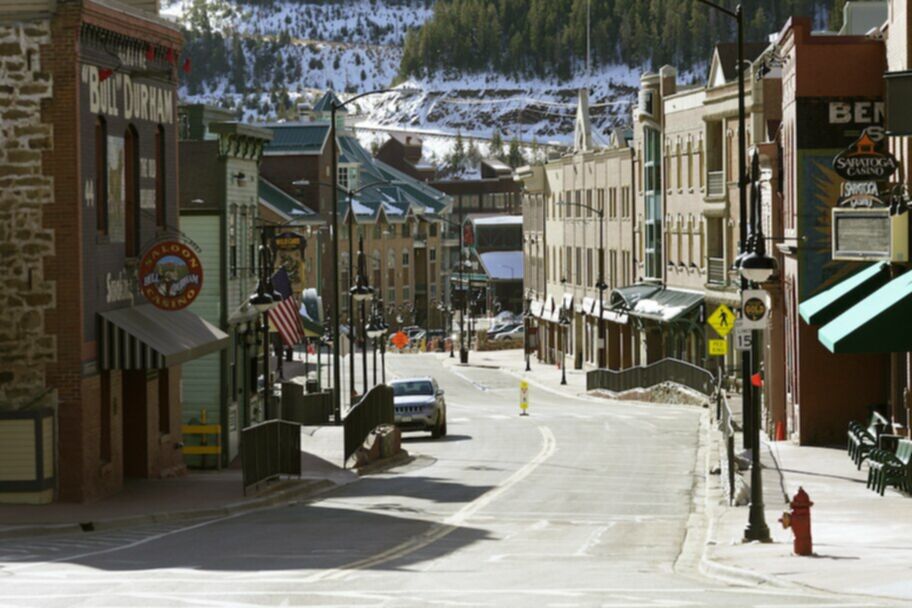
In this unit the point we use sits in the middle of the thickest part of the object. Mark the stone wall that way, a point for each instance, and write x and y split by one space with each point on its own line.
25 188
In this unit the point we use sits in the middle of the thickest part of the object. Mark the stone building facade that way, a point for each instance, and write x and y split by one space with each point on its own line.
91 151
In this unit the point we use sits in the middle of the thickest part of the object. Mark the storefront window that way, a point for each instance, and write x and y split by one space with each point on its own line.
101 175
160 211
132 237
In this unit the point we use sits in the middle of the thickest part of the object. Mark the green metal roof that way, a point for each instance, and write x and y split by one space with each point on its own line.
326 103
301 138
830 303
382 189
877 324
288 206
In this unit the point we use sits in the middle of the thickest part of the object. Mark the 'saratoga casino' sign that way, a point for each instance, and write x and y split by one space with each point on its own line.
170 275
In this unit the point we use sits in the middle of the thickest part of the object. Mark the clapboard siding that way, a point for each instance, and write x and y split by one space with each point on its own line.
202 379
204 230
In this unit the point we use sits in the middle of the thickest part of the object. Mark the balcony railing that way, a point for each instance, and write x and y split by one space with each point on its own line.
715 271
715 183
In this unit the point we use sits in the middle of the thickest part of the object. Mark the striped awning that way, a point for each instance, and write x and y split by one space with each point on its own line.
145 337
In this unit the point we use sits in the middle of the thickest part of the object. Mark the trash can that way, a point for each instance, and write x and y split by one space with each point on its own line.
311 385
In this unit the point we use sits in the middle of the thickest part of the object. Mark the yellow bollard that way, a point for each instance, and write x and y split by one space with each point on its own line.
523 397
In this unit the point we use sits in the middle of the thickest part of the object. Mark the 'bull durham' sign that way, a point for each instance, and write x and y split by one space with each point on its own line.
119 95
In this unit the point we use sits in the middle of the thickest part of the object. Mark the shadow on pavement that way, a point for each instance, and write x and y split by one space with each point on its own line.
293 538
428 438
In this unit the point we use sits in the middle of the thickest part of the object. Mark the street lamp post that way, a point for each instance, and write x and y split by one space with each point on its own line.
756 528
756 268
527 321
264 300
361 293
463 351
600 283
337 381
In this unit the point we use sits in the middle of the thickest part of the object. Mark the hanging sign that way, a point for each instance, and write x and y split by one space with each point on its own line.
289 241
864 161
170 275
754 308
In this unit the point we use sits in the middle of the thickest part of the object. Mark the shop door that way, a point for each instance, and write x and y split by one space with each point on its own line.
135 424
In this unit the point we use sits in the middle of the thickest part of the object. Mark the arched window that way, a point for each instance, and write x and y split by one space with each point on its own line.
161 218
101 175
132 237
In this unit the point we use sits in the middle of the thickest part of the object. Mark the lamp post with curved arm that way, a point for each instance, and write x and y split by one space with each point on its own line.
600 283
350 193
463 351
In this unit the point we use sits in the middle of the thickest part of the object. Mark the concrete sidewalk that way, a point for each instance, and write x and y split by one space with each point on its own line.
197 495
861 540
545 375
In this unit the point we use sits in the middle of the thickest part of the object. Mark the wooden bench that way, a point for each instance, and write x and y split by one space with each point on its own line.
864 439
887 468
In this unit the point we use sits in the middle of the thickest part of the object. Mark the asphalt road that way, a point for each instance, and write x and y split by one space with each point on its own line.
583 503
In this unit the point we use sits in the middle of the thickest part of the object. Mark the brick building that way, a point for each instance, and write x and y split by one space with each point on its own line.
397 216
90 149
822 74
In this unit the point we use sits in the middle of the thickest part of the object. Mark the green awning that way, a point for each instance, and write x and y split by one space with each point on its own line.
832 302
877 324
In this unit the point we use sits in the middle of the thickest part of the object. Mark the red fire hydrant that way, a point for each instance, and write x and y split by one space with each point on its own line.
799 520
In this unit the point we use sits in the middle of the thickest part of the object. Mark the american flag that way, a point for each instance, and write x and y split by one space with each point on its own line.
285 316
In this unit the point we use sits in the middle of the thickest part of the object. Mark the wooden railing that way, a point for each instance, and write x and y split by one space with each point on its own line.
665 370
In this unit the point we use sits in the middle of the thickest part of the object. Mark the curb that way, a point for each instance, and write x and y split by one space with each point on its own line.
385 464
295 493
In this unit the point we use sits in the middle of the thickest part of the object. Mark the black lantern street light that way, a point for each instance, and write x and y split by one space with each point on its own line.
738 16
376 329
756 268
361 293
527 322
463 301
443 309
600 282
264 300
564 322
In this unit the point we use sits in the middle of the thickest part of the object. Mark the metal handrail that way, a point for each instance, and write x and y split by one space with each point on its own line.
668 369
269 450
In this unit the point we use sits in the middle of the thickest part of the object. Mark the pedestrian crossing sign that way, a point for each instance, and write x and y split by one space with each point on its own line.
717 348
722 320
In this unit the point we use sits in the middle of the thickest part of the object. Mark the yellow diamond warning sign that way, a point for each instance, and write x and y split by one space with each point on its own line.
722 320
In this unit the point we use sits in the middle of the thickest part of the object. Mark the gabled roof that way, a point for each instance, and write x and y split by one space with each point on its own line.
723 67
327 102
297 138
283 204
386 190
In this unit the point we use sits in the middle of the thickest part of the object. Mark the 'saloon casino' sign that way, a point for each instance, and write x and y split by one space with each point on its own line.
170 275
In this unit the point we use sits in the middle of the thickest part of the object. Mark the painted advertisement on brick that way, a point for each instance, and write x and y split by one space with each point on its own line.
827 126
127 94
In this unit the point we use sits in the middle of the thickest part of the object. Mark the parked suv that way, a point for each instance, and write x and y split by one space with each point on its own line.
419 406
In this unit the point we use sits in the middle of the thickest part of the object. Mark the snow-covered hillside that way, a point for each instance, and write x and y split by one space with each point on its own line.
268 60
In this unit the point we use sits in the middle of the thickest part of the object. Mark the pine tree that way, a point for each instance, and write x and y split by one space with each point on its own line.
495 148
515 157
238 65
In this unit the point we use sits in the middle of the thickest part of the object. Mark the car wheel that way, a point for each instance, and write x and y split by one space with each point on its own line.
440 429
